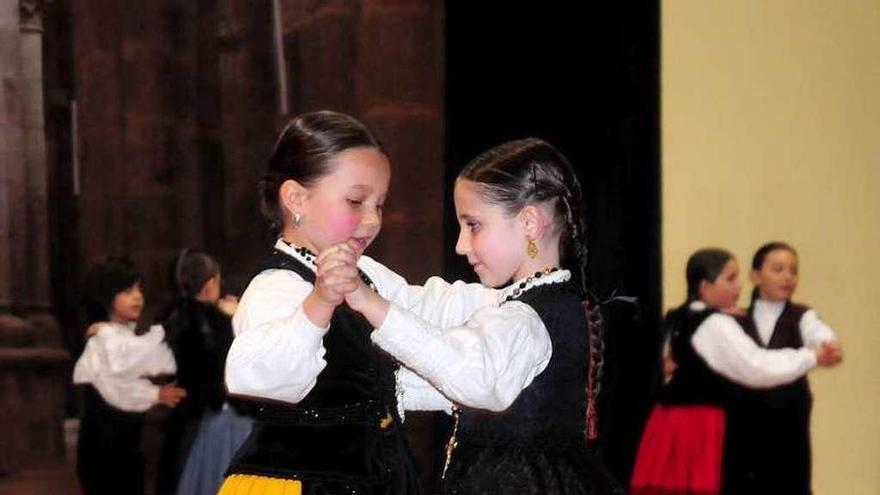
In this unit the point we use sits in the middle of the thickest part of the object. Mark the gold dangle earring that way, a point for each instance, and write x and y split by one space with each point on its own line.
532 249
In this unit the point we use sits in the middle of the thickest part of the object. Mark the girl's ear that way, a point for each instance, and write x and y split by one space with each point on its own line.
703 288
532 221
292 195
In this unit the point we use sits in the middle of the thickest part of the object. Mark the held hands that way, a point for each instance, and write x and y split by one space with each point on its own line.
829 353
366 301
336 275
93 329
170 395
338 280
669 366
227 304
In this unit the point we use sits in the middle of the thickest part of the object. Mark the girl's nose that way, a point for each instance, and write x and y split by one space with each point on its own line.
462 246
373 217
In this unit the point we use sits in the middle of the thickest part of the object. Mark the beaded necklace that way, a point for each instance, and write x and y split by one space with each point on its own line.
528 283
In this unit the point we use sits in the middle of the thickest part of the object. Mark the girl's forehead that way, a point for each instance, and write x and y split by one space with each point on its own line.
730 267
468 193
366 168
780 256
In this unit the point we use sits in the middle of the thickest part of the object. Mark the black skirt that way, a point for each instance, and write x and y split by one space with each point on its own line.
109 456
572 469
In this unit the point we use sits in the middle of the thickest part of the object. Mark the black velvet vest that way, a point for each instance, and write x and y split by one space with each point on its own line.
345 434
786 335
693 382
549 414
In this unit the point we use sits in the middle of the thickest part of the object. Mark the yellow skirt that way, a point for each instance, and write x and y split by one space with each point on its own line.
245 484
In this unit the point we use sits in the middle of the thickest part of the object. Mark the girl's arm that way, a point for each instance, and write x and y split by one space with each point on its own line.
483 364
278 351
125 391
479 358
132 395
726 348
814 331
437 301
419 395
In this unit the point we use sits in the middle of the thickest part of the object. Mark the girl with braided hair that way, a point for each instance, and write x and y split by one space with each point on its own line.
523 373
204 432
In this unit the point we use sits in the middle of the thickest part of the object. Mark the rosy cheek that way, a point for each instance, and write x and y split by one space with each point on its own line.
342 225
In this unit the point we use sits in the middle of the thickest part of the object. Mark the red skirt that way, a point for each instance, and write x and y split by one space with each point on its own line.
680 452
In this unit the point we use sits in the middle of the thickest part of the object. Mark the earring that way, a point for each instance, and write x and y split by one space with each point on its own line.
297 220
532 249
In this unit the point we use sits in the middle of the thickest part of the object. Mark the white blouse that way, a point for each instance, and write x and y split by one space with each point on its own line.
814 331
278 352
725 347
483 363
115 361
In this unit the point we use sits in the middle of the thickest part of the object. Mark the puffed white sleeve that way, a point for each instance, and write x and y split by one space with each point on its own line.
726 348
814 331
483 364
419 395
277 352
437 301
118 378
132 395
136 355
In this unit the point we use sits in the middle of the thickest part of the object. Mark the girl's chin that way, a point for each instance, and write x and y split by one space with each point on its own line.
778 296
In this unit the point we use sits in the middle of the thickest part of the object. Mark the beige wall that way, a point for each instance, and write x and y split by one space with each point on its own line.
771 130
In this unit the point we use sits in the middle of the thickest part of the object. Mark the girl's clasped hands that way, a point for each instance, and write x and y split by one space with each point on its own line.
339 280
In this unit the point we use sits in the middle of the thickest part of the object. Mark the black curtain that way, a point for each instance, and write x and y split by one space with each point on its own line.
586 80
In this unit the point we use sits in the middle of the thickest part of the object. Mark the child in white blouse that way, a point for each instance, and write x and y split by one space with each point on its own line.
114 370
525 370
328 403
769 429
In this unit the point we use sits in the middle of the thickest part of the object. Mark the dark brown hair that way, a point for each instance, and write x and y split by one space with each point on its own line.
304 152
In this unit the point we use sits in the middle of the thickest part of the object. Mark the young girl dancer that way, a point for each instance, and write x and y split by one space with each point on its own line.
113 370
529 356
682 445
328 402
769 447
204 431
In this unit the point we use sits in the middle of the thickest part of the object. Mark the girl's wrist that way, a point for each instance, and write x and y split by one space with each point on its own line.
317 310
376 309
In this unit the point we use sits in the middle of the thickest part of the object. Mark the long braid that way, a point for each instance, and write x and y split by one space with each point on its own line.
577 248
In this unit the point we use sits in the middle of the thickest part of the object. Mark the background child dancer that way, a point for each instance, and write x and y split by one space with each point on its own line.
519 208
682 445
330 403
769 447
112 369
204 431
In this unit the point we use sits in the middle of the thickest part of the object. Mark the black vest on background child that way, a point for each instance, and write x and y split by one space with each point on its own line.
346 435
768 431
693 382
538 445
